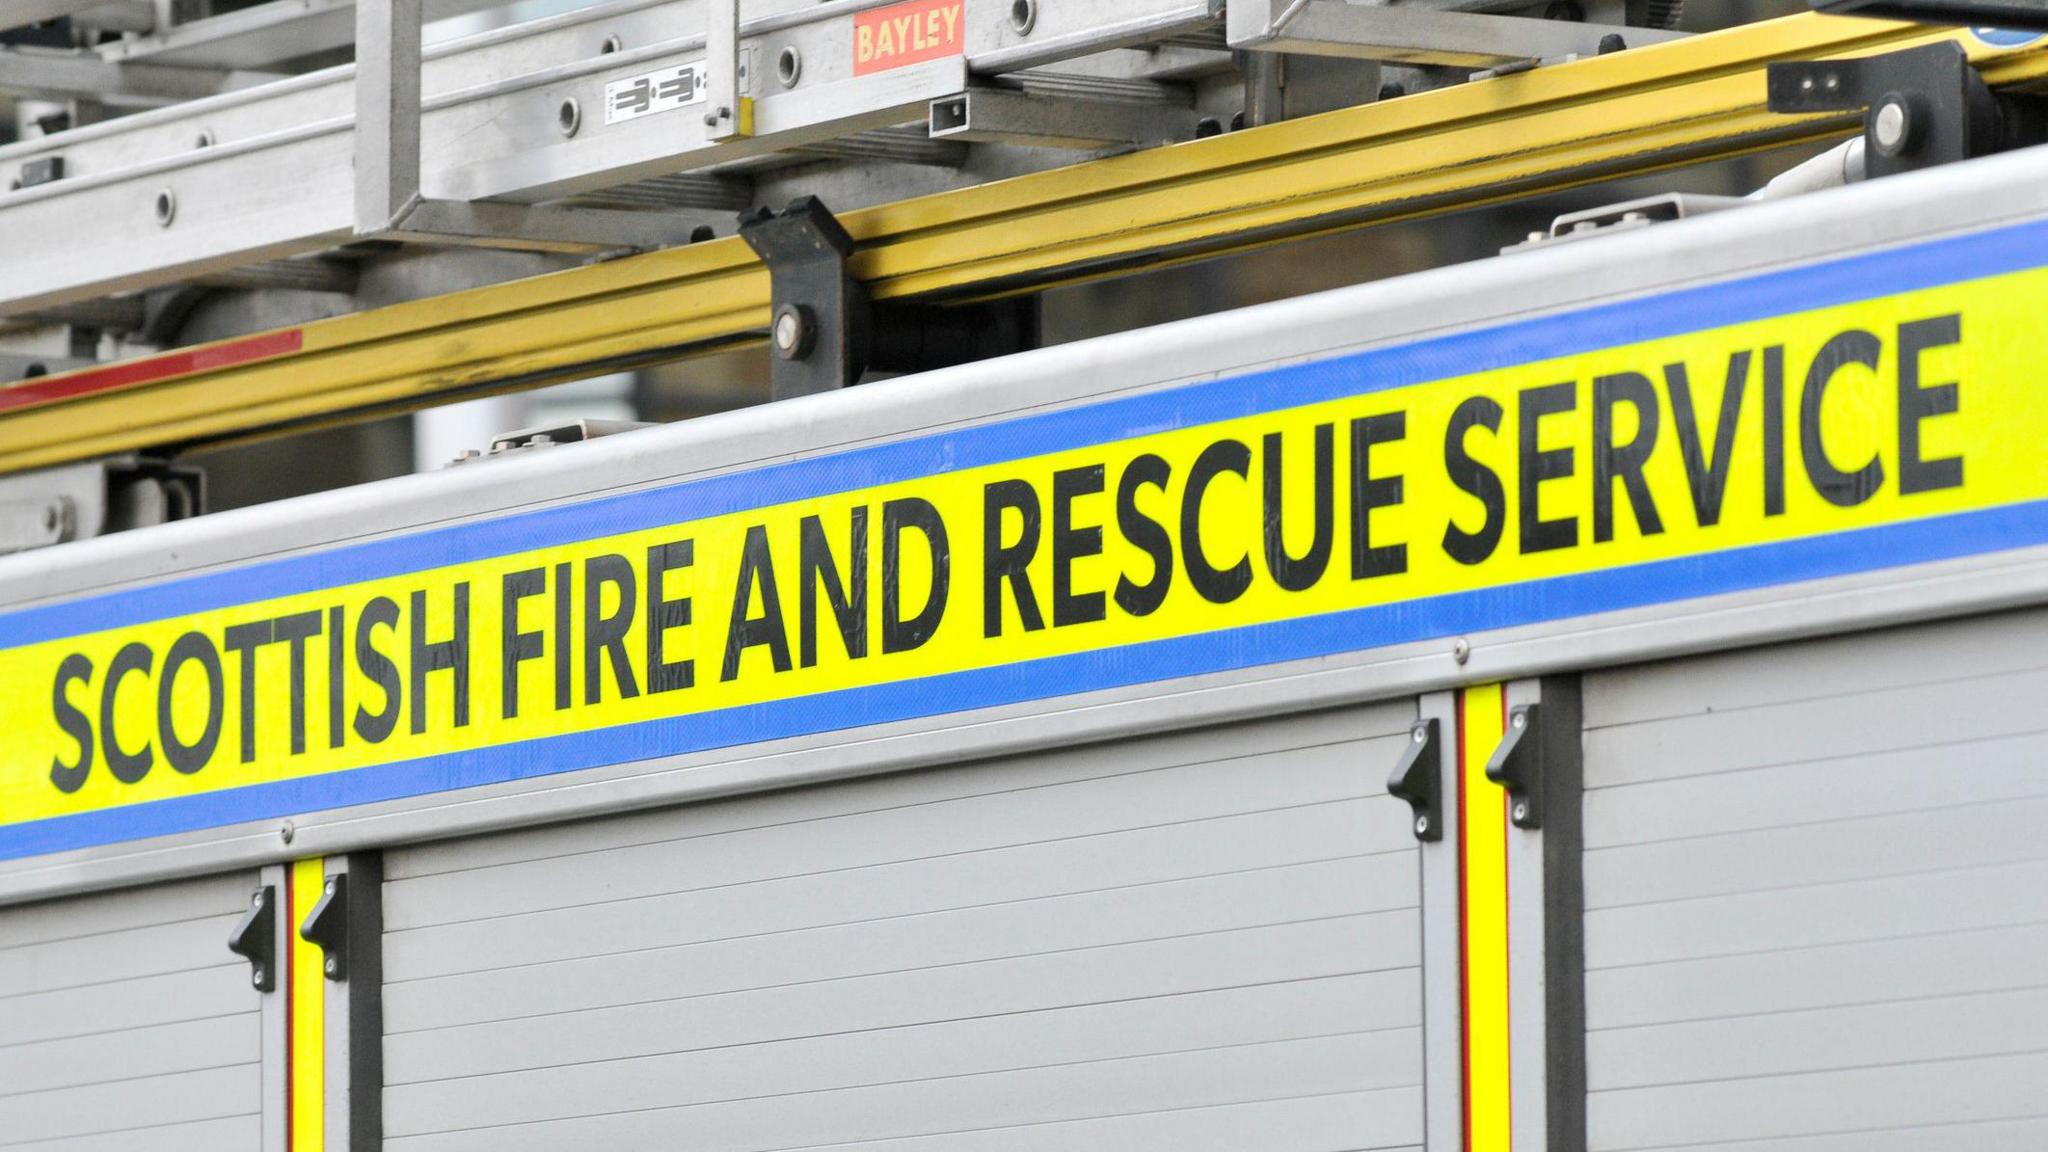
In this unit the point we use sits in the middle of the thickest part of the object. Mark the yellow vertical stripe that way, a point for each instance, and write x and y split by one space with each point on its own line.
306 984
1483 841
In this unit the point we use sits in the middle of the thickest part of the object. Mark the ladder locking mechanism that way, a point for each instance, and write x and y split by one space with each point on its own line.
1418 779
255 937
1517 765
327 926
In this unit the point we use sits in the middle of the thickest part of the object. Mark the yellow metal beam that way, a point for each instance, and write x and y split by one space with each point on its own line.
1549 128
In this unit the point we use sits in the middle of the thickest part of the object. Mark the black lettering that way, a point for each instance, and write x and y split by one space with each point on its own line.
565 580
127 767
847 597
71 777
1539 464
190 648
604 636
1147 534
757 573
518 646
1070 544
381 612
1624 462
1008 562
1774 430
451 654
1475 479
294 631
915 514
1216 585
1707 480
663 613
1842 489
1369 492
1917 403
1299 573
243 640
337 677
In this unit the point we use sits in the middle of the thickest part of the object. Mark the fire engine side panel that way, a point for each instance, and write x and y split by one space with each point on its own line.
125 1022
1205 939
1817 894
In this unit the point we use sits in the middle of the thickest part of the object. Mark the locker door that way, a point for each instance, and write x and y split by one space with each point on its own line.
1204 940
1816 890
125 1022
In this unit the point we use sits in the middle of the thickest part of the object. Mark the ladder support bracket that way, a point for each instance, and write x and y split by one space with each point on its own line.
1921 106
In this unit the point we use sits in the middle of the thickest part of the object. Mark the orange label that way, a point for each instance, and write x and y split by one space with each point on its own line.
907 33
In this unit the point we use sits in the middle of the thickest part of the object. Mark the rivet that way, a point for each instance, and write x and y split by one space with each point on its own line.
288 831
1461 649
1422 825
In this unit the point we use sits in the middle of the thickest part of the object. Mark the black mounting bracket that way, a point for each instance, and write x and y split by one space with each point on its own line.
255 937
1419 779
819 330
327 926
1921 106
825 330
1517 765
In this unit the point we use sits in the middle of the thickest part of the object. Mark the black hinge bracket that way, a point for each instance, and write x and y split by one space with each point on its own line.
1921 106
826 332
327 926
1517 765
255 938
1419 779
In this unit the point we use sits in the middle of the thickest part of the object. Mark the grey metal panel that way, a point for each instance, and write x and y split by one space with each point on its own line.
1817 894
969 1103
840 951
1135 945
126 1023
527 847
203 1136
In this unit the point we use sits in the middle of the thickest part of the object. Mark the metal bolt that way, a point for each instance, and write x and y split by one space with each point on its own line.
256 975
331 966
793 332
1421 734
1461 649
288 831
1888 127
1521 810
330 885
1422 825
1806 83
1520 719
256 901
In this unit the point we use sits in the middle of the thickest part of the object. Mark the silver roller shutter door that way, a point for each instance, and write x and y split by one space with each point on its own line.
1205 940
125 1023
1817 895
